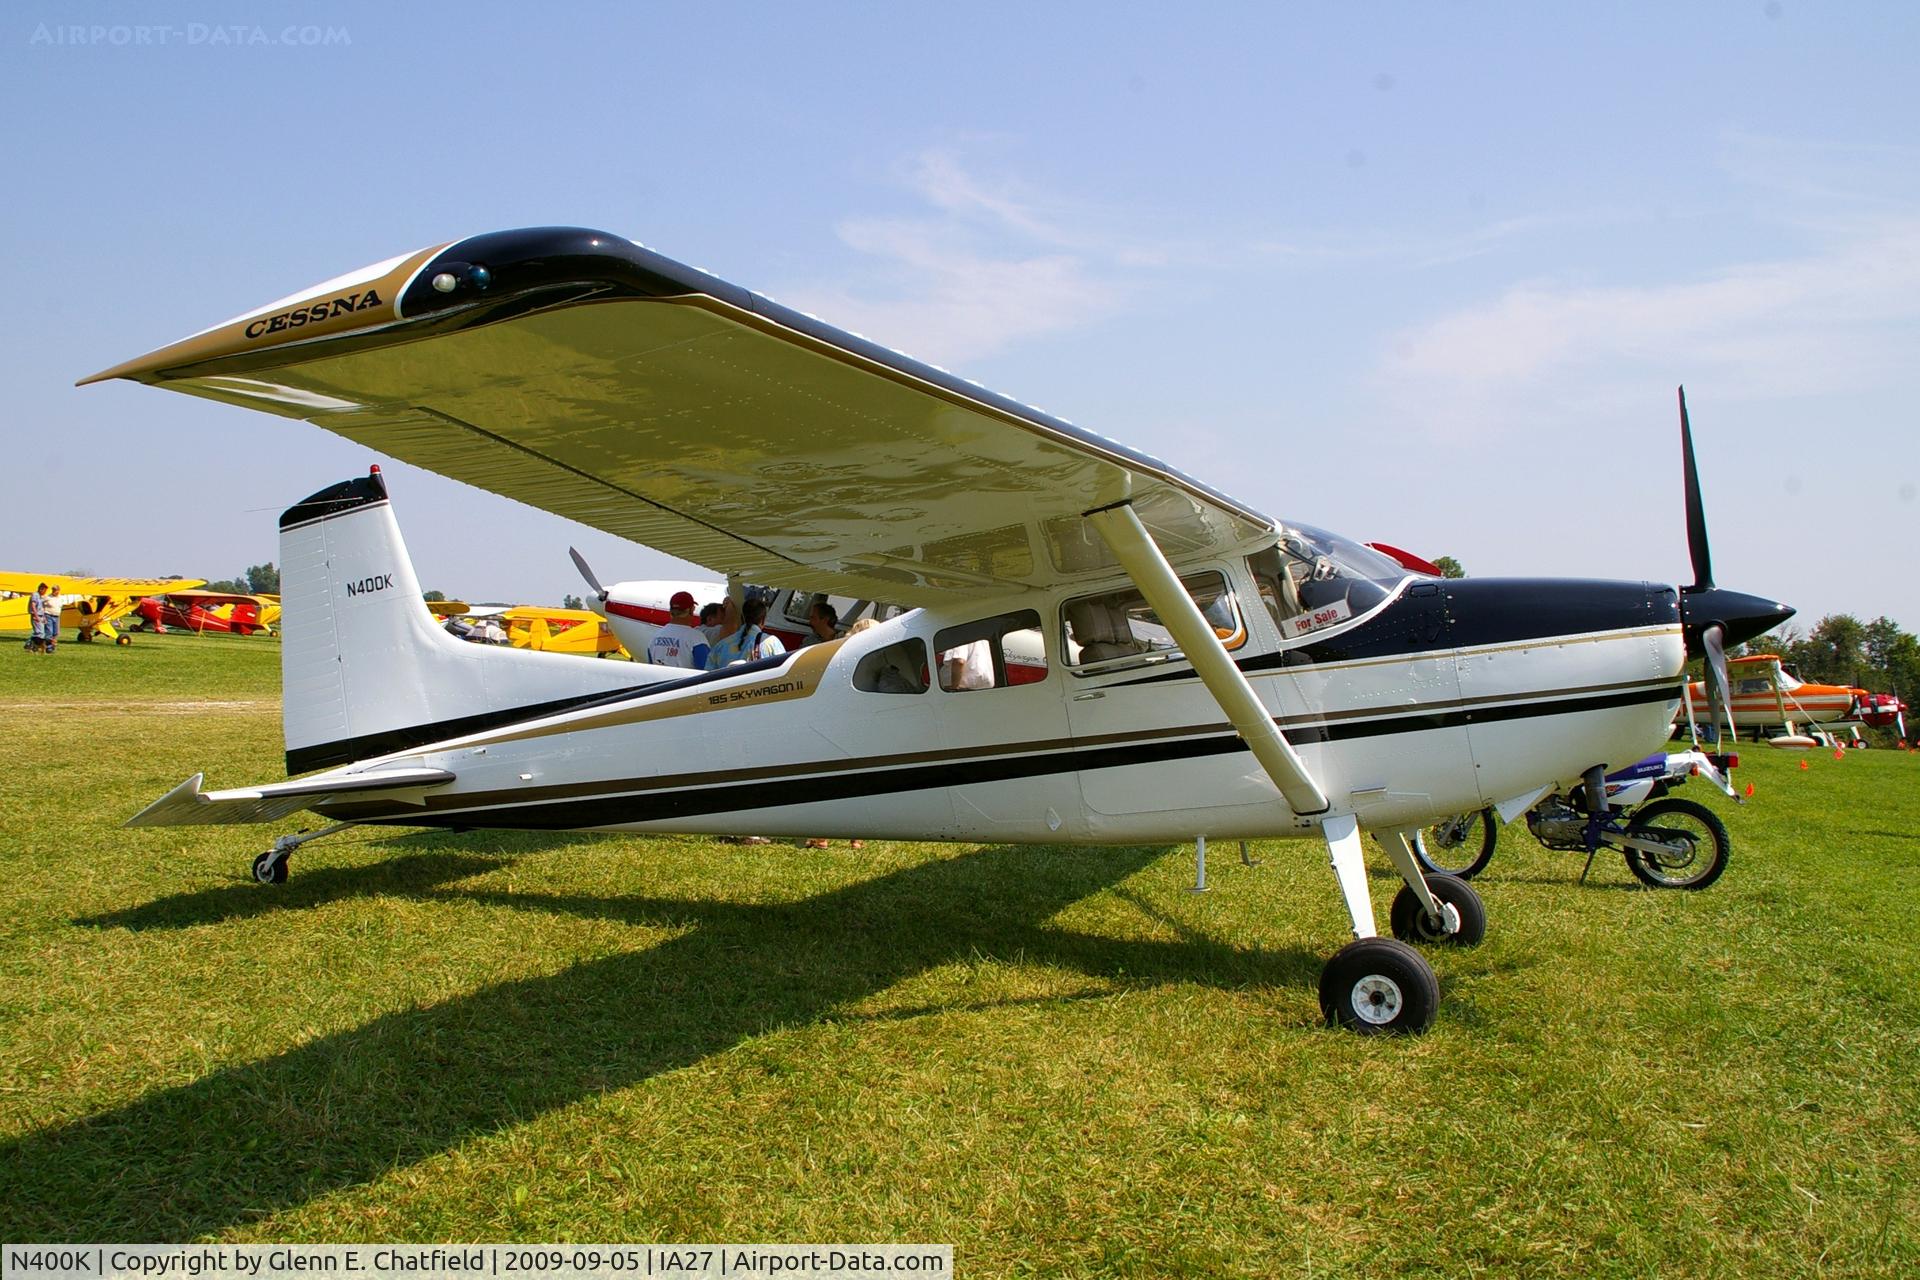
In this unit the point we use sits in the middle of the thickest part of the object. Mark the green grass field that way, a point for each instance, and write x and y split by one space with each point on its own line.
1056 1059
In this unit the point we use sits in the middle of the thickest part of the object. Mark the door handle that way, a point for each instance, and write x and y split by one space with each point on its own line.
1088 697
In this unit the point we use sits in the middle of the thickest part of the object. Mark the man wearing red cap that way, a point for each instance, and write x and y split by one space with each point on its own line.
679 643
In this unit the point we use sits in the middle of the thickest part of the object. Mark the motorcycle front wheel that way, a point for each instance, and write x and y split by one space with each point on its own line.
1699 841
1461 845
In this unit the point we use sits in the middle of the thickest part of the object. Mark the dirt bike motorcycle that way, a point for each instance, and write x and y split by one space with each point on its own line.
1668 842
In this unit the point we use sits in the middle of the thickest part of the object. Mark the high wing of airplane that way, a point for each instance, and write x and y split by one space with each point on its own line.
1210 671
88 606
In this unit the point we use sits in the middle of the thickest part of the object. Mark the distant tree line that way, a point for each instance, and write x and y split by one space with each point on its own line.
1877 656
258 580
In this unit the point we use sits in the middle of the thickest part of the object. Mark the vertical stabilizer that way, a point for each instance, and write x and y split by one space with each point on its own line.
365 667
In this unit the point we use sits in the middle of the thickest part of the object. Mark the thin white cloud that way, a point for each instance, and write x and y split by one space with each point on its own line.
939 178
991 262
1828 174
1840 316
944 301
984 269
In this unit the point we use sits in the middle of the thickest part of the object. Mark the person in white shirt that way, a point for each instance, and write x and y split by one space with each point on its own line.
679 643
967 668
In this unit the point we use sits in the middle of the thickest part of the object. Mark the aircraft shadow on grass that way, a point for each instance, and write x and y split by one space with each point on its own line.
337 1111
408 875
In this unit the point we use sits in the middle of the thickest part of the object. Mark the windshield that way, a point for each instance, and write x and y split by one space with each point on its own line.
1314 579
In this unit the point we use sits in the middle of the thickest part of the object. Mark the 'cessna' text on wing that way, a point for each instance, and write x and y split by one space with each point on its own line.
341 306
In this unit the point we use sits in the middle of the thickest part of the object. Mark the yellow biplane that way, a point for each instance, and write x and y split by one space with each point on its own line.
527 626
88 606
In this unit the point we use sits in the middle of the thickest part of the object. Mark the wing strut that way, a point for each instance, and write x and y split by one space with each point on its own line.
1141 557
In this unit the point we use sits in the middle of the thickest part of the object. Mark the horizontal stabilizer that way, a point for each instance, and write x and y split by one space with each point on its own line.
188 805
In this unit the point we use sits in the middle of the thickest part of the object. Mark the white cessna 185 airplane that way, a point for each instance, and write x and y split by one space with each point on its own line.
1208 670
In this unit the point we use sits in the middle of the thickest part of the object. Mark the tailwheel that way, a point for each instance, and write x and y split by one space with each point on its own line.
1377 986
271 867
1466 923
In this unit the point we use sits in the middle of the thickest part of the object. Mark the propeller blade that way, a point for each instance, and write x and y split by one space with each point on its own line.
1900 723
1719 692
1696 508
580 563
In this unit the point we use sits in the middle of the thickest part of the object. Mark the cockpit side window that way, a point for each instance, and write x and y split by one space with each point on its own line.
1318 580
1279 590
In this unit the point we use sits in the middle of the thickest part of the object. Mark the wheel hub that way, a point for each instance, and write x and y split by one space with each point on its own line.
1446 926
1377 999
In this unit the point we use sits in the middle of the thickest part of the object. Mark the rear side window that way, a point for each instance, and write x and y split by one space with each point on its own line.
993 653
898 668
1118 629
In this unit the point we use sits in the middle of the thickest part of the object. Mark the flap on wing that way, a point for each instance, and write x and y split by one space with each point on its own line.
189 805
582 374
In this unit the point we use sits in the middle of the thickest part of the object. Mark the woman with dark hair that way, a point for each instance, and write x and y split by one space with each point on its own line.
751 642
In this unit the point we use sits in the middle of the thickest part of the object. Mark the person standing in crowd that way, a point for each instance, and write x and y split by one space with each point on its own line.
679 643
50 614
750 642
712 621
37 620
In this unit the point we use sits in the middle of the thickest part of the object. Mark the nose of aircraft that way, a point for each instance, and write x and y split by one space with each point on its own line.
1739 616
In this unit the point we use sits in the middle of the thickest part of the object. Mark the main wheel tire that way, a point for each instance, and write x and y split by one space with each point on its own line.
1461 845
270 867
1708 845
1412 924
1377 986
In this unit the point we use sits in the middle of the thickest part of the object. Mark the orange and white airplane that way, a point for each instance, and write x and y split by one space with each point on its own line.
1767 696
88 606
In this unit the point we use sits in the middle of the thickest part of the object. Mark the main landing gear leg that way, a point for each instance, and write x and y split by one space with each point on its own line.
271 866
1350 869
1373 985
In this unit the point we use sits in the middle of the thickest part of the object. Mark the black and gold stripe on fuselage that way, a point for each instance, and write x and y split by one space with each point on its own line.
624 801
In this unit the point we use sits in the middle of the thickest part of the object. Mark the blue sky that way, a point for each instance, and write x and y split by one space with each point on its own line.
1421 274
